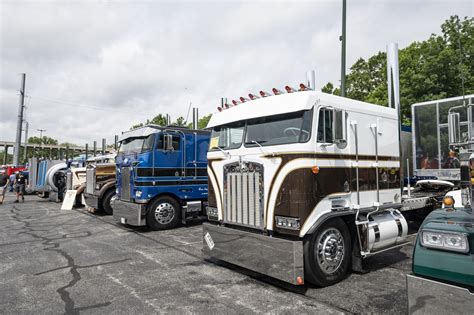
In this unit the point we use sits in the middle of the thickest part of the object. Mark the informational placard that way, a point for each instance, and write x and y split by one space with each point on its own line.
68 201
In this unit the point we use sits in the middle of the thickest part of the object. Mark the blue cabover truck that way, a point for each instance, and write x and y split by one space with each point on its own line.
161 176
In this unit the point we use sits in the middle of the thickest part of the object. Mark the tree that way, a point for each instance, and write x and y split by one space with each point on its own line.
44 140
159 120
202 122
179 122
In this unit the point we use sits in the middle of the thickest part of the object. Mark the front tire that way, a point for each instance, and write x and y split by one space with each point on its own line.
164 213
327 253
106 198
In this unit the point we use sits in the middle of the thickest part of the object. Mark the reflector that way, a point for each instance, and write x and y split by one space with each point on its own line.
263 94
276 91
253 97
235 102
289 89
303 87
219 109
243 99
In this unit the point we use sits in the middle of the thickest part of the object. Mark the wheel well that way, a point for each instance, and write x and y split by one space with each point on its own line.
163 195
349 220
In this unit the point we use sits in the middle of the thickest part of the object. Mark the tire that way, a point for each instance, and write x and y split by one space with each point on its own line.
325 270
105 201
163 213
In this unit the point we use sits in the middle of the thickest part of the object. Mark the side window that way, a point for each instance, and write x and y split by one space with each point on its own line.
176 143
148 143
325 125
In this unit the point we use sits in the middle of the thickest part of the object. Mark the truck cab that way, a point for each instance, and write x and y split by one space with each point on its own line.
161 176
100 183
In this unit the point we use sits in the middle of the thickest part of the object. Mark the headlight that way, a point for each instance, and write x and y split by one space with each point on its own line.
138 194
212 212
287 223
445 240
97 187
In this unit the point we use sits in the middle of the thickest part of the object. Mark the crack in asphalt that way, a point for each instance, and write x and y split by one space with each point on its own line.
52 244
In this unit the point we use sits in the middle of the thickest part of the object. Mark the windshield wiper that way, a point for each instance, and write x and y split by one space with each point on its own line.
260 146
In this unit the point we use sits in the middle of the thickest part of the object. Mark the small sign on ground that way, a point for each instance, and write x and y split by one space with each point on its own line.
69 198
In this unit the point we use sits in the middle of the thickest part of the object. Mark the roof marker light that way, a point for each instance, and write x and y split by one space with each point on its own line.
235 102
243 99
289 89
276 91
226 105
253 97
219 109
303 87
264 94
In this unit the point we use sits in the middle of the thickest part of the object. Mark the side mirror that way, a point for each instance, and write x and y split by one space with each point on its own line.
454 128
339 127
168 143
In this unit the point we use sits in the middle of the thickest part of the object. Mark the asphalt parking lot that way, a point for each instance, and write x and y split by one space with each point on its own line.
59 261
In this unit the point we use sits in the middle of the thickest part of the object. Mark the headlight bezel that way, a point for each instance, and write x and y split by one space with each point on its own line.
443 237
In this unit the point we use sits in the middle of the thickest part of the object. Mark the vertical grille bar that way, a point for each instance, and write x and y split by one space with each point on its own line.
258 214
239 198
245 208
229 200
251 201
234 198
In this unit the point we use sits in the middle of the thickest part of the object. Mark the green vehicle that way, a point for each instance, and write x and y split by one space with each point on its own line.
443 258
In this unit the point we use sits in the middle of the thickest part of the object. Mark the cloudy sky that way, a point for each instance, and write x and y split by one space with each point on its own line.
94 68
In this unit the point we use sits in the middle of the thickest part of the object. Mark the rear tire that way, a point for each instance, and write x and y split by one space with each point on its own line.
163 213
327 253
106 198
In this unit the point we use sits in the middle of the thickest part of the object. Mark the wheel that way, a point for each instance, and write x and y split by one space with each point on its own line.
163 213
327 253
105 201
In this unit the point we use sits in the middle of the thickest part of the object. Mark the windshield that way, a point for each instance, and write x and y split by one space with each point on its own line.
227 137
133 145
279 129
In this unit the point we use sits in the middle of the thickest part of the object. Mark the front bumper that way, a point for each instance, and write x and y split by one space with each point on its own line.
433 297
278 258
91 201
128 212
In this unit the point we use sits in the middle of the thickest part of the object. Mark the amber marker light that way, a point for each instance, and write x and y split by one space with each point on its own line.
299 280
448 201
315 170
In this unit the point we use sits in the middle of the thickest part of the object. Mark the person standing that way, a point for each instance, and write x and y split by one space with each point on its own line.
4 181
20 182
12 181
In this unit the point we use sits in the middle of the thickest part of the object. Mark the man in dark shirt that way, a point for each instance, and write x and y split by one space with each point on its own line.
20 182
4 181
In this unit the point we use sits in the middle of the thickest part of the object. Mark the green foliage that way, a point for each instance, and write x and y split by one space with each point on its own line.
179 122
44 140
432 69
159 120
136 126
202 122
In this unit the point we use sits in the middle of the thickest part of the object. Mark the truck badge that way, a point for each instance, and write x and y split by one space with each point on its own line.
209 241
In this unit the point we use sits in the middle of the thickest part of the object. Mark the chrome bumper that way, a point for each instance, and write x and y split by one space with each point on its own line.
432 297
275 257
128 212
91 201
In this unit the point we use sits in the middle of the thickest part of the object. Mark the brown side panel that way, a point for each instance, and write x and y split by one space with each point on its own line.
211 197
302 190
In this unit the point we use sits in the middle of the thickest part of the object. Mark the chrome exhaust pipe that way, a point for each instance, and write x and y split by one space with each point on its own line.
311 80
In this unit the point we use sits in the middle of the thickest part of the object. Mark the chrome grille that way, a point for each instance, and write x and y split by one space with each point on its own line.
243 194
90 180
125 193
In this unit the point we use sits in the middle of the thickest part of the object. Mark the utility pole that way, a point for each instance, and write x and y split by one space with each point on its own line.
41 133
343 50
16 151
25 153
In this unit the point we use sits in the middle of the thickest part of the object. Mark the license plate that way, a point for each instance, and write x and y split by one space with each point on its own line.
209 241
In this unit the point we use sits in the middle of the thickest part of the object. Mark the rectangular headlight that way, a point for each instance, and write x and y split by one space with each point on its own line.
212 212
452 241
287 223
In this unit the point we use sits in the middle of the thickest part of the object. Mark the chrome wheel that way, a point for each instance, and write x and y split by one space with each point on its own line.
164 213
330 250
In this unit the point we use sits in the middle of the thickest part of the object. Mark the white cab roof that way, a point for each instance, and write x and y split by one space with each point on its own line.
293 102
138 133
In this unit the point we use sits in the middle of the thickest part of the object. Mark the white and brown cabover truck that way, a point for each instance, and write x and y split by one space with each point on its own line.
304 184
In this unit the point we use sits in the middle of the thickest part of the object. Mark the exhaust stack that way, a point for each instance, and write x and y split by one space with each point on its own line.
311 80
